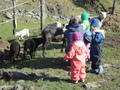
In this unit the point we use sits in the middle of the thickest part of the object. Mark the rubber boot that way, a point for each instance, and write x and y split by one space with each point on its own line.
100 69
92 71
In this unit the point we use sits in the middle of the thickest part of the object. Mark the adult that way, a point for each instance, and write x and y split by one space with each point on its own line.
75 27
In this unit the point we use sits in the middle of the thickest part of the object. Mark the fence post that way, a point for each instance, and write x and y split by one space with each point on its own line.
14 16
42 10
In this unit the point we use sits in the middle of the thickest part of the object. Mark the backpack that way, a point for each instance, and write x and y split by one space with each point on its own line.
87 37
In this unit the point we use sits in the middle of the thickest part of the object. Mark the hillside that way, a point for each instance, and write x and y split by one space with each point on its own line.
59 10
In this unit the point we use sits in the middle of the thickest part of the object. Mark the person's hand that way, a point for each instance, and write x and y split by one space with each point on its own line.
93 32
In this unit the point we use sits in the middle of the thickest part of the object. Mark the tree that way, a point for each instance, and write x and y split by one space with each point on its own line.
113 8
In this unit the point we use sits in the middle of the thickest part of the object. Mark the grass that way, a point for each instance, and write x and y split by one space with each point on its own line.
52 69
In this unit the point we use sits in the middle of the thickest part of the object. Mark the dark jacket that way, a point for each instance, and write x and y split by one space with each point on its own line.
68 34
96 45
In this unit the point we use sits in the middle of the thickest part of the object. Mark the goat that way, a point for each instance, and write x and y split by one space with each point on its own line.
22 33
31 44
14 50
101 17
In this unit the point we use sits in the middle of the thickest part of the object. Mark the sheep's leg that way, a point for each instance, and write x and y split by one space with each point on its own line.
64 44
34 51
13 58
24 54
31 53
44 47
18 52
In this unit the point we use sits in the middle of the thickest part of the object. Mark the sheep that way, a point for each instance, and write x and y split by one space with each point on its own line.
14 50
101 17
31 44
22 33
56 24
54 34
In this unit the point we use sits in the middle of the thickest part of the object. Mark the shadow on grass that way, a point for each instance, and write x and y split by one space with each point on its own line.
37 63
52 46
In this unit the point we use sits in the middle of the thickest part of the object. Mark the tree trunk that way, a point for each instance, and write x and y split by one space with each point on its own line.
113 8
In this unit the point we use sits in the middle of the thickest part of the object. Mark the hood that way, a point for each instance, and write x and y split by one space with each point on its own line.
84 16
75 27
80 45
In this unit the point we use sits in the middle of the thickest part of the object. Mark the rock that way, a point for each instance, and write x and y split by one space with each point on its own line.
8 15
29 88
4 49
42 87
92 85
107 65
14 75
20 81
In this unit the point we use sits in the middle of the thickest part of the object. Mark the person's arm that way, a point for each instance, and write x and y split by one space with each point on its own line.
70 54
98 37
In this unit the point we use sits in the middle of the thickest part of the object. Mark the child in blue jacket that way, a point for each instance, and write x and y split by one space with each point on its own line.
96 47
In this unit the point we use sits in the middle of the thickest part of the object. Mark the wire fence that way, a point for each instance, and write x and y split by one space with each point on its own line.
17 6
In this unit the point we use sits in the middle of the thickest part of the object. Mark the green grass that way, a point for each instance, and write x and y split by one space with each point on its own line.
53 68
54 71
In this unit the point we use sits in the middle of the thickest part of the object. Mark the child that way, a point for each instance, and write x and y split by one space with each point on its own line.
96 47
77 56
85 21
87 35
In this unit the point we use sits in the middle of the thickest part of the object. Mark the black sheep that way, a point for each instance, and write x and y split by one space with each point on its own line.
14 50
31 44
54 34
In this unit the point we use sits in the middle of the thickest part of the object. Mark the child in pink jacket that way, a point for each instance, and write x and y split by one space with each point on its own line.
77 56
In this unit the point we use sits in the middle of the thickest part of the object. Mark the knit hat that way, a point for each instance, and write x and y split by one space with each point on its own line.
76 36
95 23
84 16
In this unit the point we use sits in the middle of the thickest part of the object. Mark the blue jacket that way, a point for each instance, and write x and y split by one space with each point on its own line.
68 34
96 45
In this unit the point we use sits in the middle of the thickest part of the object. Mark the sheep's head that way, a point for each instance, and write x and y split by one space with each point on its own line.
16 34
103 15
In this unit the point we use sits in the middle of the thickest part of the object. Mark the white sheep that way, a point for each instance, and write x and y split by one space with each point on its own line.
101 17
22 33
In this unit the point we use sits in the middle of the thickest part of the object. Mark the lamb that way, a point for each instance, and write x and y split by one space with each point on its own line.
22 33
14 50
31 44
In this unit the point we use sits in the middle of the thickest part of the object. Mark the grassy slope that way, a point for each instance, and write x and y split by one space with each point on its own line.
53 69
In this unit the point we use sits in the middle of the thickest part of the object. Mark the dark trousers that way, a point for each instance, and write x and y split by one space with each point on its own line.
96 62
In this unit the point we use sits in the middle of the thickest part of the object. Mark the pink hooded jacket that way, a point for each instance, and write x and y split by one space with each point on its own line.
77 55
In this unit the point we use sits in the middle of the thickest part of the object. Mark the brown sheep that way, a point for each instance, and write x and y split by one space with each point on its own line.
14 51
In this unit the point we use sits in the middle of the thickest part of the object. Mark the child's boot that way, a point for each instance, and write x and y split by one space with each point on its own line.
100 69
92 71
